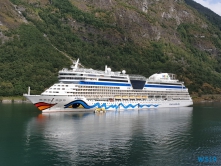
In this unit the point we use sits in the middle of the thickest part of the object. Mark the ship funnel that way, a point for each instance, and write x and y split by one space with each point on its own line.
29 90
105 69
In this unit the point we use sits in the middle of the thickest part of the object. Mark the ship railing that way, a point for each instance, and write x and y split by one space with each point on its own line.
93 71
166 81
82 70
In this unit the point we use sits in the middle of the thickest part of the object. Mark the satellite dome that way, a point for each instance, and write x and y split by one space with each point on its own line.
108 69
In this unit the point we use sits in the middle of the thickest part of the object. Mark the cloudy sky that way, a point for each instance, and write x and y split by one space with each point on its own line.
214 5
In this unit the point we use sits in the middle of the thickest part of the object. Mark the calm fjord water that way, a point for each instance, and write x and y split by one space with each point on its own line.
169 136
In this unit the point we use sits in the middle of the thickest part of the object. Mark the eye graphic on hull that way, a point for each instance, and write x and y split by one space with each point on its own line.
76 104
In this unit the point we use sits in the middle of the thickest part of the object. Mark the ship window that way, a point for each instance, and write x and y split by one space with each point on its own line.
63 88
40 99
66 85
58 88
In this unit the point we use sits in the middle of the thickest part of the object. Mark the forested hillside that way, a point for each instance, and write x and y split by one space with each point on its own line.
141 37
211 16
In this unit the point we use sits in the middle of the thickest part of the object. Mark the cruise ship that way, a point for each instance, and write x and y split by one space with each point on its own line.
83 89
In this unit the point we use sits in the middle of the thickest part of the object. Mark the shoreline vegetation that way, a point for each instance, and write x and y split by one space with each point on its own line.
196 99
14 99
206 98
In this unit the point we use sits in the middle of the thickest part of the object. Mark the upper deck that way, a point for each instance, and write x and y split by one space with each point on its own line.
80 75
77 68
163 78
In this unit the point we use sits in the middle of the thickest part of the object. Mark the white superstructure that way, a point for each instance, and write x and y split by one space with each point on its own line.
79 89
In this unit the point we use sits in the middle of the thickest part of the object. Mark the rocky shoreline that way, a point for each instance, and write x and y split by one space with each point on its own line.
14 101
206 98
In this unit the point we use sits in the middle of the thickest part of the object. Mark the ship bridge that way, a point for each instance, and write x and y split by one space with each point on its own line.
137 81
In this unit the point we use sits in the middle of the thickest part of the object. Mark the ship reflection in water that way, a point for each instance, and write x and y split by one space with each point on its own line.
132 137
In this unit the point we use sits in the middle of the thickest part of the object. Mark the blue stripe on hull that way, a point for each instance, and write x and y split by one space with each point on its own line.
102 83
164 86
104 105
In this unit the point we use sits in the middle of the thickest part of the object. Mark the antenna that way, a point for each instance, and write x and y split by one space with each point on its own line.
76 64
105 68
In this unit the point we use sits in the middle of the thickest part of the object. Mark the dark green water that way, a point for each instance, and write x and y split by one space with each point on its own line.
175 136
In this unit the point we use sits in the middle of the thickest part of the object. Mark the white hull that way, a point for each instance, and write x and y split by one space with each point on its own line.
71 103
81 89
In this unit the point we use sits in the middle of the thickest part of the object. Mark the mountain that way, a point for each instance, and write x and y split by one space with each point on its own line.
210 15
142 37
